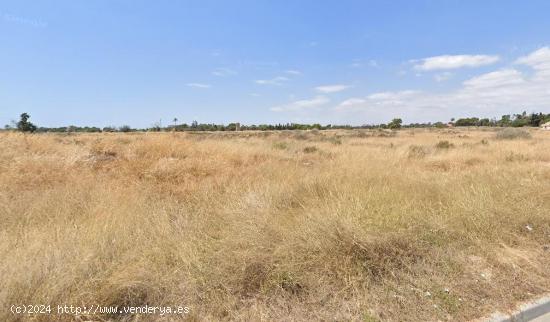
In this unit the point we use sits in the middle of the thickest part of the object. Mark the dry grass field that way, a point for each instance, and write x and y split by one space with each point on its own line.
412 225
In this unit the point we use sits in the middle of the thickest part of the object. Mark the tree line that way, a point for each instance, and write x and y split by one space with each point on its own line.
515 120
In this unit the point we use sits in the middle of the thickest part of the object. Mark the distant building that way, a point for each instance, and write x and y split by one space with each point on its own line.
545 126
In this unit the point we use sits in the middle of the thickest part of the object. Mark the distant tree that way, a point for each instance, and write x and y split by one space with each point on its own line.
175 122
230 127
520 120
471 121
484 122
24 125
536 119
395 123
125 128
505 120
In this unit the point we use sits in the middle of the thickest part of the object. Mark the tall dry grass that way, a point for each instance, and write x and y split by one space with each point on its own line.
282 226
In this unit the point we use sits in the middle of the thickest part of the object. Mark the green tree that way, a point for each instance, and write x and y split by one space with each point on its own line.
469 121
505 120
395 123
24 125
125 129
536 119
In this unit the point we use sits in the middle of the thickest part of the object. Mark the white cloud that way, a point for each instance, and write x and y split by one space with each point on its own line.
302 104
198 85
352 102
454 61
279 80
380 99
293 72
495 79
223 72
392 95
495 93
539 60
331 88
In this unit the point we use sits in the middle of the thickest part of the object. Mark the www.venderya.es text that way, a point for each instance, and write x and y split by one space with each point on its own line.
93 309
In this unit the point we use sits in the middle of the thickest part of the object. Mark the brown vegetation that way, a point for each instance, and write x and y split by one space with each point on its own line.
410 225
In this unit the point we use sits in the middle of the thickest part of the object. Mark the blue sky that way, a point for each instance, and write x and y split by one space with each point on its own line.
136 62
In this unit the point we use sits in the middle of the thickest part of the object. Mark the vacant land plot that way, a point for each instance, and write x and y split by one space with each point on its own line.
276 226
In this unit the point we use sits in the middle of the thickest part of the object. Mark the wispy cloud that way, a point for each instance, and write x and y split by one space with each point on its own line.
351 102
539 60
198 85
453 62
293 72
279 80
223 72
496 79
331 88
302 104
